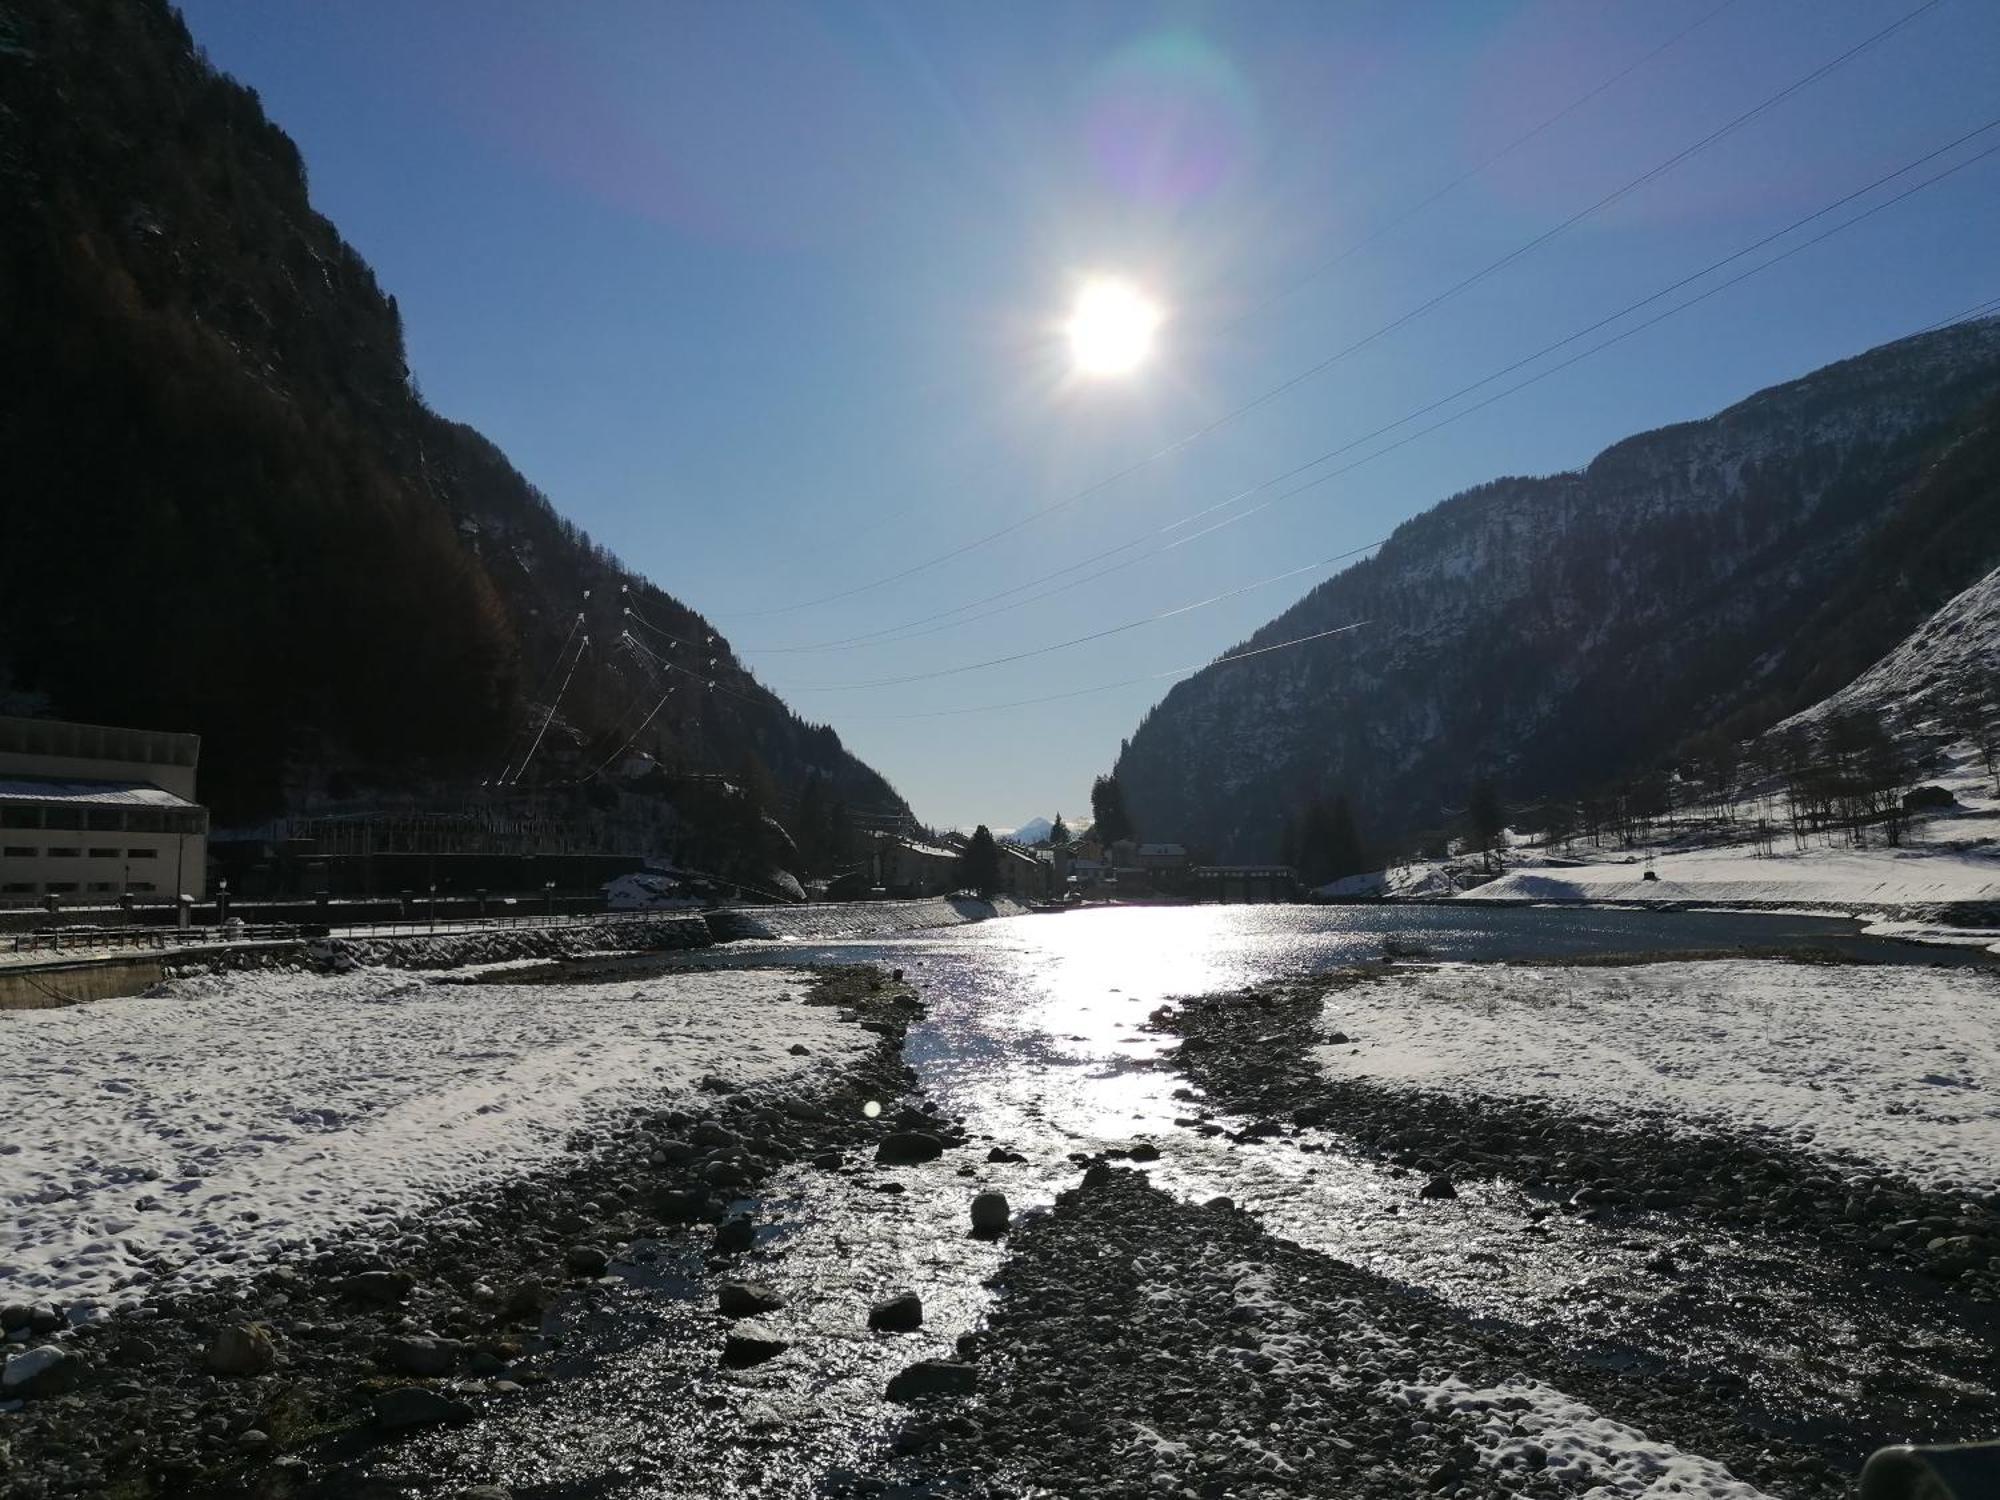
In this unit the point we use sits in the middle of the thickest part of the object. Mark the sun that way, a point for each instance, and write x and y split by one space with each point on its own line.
1111 328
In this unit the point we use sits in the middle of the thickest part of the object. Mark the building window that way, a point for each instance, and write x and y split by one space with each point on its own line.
104 854
142 854
67 853
144 886
60 887
18 888
20 851
20 817
102 885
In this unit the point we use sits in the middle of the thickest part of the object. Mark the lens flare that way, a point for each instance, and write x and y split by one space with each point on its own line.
1112 327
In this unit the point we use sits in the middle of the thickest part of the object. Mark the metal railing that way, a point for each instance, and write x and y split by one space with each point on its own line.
82 939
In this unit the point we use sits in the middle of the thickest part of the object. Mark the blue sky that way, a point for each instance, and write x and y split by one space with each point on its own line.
769 297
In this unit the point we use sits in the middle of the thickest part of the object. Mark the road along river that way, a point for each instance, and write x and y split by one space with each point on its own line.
1777 1357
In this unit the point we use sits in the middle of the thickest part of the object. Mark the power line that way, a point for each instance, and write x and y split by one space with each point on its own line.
1095 635
1471 172
528 759
1650 175
893 635
1105 687
1314 272
1422 432
1965 315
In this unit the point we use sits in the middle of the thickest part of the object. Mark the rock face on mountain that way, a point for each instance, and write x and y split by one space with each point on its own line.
1553 633
228 509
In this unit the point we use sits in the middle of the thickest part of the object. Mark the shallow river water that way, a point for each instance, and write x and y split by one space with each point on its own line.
1036 1037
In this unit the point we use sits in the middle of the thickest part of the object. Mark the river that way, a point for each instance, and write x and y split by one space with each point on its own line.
1036 1036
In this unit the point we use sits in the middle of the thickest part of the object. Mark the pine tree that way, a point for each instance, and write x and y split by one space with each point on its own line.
1058 833
1107 806
979 866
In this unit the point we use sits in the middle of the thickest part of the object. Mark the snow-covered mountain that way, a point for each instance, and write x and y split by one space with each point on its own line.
1931 666
1555 632
1031 832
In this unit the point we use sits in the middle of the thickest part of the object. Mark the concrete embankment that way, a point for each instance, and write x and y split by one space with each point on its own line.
110 975
851 919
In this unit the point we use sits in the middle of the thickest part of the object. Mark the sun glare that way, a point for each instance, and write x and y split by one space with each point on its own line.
1111 328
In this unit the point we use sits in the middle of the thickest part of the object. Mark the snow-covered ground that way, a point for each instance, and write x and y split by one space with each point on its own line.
1525 1426
1899 1067
221 1121
1947 856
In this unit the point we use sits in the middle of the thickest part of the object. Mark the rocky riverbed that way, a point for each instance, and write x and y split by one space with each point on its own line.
1221 1268
1146 1346
244 1387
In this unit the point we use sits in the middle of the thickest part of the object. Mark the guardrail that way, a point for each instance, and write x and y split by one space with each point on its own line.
80 939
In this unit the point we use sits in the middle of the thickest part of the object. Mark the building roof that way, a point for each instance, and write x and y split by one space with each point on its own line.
1163 849
88 793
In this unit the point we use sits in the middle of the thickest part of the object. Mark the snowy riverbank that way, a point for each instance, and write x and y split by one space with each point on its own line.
224 1121
1899 1068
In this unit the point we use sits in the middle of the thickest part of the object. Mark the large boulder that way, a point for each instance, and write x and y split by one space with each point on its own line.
408 1406
746 1299
990 1213
933 1377
240 1349
42 1371
751 1343
898 1314
902 1148
422 1354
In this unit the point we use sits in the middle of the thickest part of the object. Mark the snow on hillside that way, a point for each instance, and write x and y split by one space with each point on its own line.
208 1127
1948 651
1031 832
1897 1067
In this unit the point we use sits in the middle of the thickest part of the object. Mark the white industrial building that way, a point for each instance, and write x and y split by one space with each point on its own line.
89 813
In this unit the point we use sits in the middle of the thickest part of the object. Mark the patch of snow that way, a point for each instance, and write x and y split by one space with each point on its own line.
221 1122
1899 1067
1521 1426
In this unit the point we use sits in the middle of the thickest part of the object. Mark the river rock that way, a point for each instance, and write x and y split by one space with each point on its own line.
680 1205
422 1354
1004 1154
1145 1151
898 1314
751 1343
990 1213
586 1260
383 1288
41 1371
240 1349
901 1148
933 1377
738 1232
746 1299
1439 1187
408 1406
46 1317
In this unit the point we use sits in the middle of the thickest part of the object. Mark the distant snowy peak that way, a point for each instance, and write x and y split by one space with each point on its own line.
1031 832
1948 651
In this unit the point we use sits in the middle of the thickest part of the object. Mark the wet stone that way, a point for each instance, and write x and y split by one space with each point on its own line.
907 1147
746 1299
408 1406
901 1313
933 1377
751 1343
990 1213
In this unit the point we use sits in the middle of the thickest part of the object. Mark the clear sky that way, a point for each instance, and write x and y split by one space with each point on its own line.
770 298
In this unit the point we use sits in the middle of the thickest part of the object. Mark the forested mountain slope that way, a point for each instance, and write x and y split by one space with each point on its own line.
1554 633
227 510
